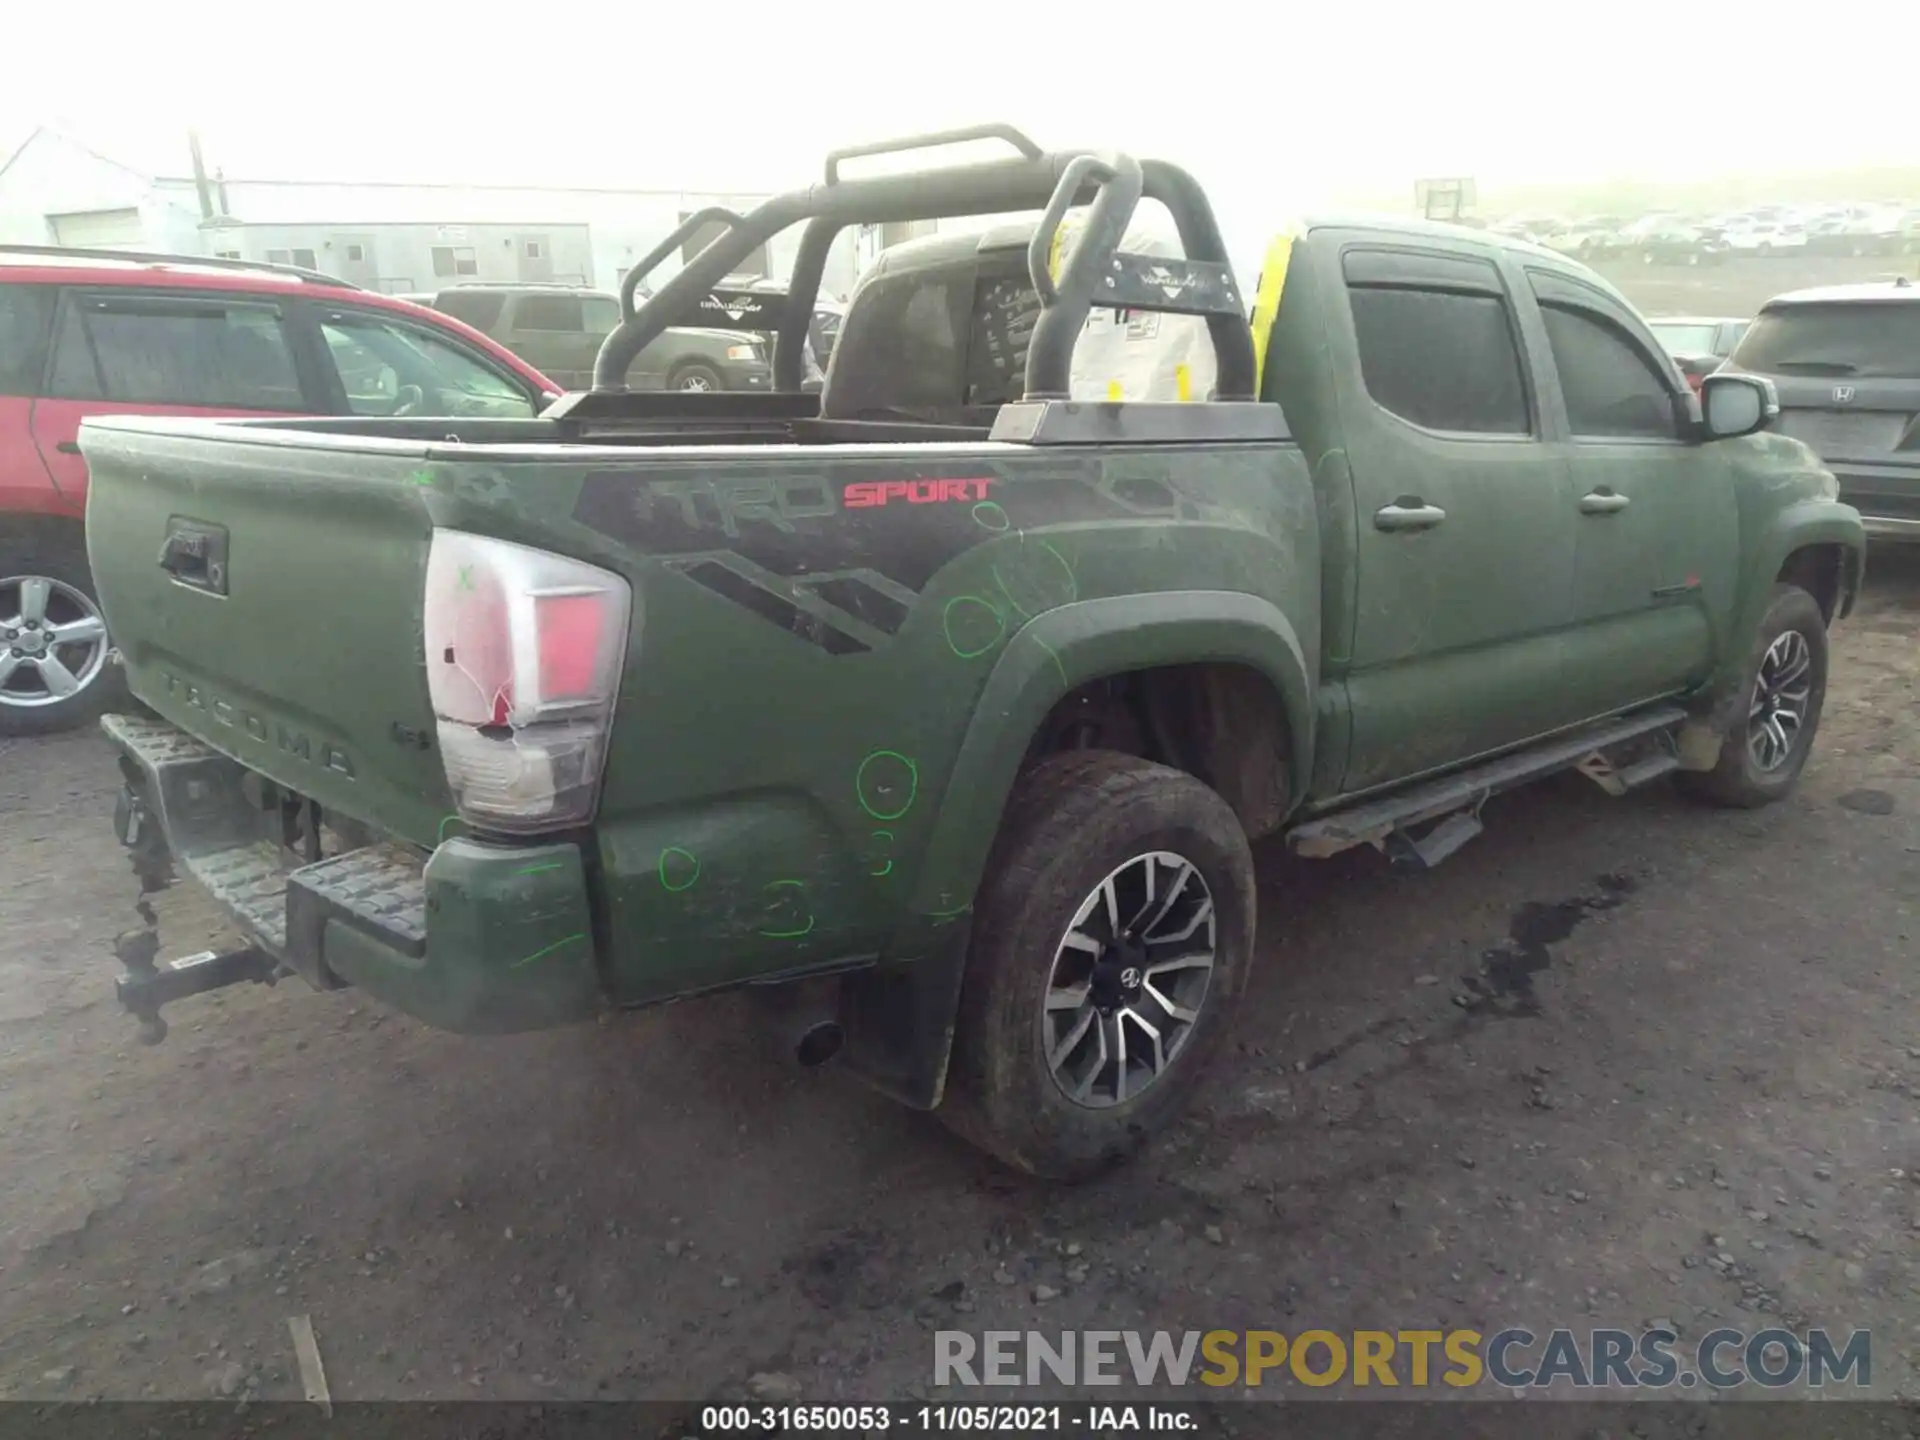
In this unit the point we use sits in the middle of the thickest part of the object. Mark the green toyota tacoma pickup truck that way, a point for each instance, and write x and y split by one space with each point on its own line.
948 701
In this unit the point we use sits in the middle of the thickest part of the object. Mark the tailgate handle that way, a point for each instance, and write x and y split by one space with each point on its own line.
195 554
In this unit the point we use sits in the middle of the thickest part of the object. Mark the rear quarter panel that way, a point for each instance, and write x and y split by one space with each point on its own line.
835 664
842 655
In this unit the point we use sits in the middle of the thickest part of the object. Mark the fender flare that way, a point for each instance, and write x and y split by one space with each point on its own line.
1073 645
899 1014
1796 527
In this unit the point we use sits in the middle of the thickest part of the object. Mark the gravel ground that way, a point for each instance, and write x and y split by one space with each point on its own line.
1616 1062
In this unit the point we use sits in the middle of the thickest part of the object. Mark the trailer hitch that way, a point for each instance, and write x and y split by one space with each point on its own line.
147 986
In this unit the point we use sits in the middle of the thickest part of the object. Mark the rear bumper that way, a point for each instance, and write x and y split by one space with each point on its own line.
474 937
1887 497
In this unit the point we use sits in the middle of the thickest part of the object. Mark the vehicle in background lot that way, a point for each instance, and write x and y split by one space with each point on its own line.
822 330
559 329
1698 344
1587 240
955 702
1669 240
87 333
1856 230
1845 361
1764 237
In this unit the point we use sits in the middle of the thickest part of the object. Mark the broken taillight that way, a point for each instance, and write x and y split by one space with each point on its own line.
523 653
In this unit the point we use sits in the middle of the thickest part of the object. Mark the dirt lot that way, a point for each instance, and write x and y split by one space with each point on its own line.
1740 285
1617 1061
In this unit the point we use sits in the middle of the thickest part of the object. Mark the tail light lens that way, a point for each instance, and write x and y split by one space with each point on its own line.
523 656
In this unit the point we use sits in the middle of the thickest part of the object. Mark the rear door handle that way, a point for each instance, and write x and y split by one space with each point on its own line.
1409 512
68 447
1603 502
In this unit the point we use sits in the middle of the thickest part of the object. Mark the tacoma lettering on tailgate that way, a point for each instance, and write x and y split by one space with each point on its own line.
294 743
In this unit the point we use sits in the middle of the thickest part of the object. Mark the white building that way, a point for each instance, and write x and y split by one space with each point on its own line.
55 190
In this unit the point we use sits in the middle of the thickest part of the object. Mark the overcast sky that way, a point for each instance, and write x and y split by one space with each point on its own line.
1270 103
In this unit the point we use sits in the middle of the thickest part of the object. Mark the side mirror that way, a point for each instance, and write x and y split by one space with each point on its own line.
1734 405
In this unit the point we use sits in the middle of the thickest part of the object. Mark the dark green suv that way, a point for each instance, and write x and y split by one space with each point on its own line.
558 330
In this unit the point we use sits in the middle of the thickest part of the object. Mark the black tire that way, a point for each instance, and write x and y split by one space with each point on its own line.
1071 822
62 558
696 376
1739 781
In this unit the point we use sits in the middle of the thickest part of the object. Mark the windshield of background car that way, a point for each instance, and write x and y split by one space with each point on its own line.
1684 339
1870 340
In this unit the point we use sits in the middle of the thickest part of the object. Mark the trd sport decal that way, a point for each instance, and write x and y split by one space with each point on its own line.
837 555
915 492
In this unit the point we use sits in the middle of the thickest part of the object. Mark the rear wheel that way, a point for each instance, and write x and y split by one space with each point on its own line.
1766 746
1112 939
695 377
56 664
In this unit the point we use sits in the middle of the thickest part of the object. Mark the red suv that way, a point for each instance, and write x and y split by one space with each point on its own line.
101 332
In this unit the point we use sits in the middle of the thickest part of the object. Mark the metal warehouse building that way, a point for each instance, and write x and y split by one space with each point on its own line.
56 190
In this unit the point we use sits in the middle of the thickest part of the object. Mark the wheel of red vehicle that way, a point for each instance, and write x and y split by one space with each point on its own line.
57 667
1112 938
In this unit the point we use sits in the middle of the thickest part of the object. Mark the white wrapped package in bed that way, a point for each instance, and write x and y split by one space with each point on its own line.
1138 354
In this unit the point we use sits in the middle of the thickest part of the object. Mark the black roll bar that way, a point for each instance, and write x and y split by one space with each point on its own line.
933 140
1035 180
630 283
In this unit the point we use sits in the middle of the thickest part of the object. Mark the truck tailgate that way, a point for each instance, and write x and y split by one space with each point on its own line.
267 599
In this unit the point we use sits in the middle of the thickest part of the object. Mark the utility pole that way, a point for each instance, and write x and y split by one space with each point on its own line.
200 186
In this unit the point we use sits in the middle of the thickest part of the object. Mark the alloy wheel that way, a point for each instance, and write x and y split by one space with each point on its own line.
53 643
1781 692
1129 979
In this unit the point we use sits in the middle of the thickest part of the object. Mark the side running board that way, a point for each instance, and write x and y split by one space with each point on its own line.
1455 800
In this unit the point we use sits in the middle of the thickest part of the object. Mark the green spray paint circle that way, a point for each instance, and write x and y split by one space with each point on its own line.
1037 578
686 877
967 634
793 932
987 511
886 783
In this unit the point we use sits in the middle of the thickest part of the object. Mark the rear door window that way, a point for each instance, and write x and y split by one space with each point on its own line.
26 320
1445 360
168 349
1874 341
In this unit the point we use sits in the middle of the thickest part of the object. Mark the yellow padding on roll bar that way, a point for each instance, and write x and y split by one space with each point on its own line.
1266 302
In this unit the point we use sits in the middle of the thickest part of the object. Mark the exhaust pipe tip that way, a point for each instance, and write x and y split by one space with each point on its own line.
818 1044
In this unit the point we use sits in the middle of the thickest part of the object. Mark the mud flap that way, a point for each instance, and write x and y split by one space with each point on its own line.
898 1016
